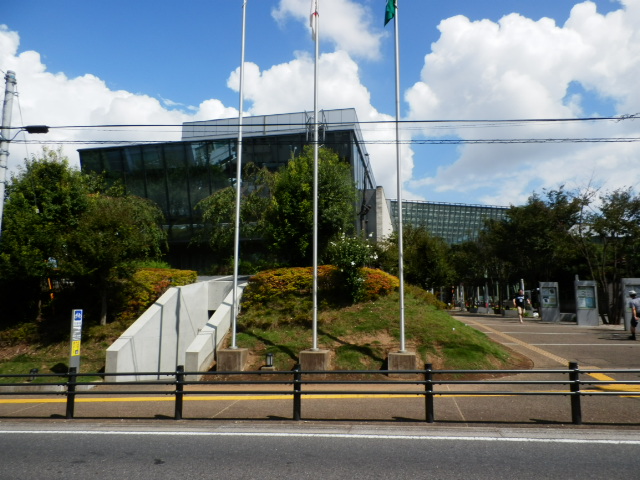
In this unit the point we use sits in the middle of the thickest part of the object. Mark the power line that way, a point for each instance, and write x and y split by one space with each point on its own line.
469 141
465 122
406 125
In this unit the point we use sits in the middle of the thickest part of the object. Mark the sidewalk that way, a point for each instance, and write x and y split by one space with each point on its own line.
550 346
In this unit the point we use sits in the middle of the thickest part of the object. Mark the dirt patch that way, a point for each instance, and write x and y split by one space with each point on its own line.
387 343
9 353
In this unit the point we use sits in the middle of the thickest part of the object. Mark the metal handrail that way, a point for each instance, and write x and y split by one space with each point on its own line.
296 379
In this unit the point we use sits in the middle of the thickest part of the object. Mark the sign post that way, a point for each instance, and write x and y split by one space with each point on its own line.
549 302
76 338
586 303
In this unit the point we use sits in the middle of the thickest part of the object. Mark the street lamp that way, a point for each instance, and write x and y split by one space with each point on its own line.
35 129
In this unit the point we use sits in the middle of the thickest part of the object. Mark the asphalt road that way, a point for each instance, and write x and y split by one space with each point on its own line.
143 452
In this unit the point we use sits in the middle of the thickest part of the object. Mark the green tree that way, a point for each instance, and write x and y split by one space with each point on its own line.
45 200
113 234
289 217
58 225
608 240
218 212
533 240
426 259
472 265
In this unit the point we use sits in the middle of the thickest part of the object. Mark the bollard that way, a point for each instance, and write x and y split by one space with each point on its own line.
576 409
428 392
179 392
71 392
297 392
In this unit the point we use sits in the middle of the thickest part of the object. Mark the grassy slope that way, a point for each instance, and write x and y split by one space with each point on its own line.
361 335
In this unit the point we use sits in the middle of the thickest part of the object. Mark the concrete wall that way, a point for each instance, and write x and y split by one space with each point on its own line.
384 224
159 339
200 355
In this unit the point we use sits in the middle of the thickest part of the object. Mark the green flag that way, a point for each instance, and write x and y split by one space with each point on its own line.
390 11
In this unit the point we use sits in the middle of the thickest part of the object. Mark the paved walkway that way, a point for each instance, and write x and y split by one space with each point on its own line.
550 346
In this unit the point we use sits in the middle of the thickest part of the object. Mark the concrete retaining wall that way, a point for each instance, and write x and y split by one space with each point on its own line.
200 355
160 338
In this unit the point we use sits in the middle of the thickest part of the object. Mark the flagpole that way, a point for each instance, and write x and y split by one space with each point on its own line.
399 181
236 245
315 179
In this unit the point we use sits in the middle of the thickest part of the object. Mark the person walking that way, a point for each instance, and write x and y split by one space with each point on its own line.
634 305
520 300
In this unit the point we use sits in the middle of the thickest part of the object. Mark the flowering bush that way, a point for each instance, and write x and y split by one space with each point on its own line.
271 284
350 254
378 283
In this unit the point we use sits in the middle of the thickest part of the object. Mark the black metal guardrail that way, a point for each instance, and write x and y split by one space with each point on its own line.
572 377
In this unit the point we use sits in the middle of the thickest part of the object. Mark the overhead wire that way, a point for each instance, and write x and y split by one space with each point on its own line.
406 125
474 122
468 141
17 96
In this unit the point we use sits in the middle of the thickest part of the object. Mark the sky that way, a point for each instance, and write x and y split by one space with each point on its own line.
493 93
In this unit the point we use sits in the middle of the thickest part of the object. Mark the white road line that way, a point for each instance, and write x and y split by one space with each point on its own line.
331 435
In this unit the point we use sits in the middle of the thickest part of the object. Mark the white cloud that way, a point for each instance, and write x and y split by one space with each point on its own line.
52 99
56 100
519 68
349 29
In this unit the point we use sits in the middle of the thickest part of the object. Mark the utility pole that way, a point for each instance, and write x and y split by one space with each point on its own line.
10 79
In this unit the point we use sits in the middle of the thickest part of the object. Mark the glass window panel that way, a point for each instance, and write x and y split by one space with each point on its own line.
155 176
177 179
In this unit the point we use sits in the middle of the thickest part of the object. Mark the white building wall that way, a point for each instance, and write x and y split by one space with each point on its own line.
384 225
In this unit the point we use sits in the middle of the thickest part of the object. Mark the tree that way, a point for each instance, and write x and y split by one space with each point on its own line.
608 240
218 212
44 203
350 254
58 224
426 258
289 217
114 232
475 267
533 239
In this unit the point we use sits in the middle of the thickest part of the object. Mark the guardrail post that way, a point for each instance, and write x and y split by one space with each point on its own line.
297 392
576 409
179 392
71 392
428 392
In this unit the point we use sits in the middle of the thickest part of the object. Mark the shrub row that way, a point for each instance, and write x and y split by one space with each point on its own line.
281 282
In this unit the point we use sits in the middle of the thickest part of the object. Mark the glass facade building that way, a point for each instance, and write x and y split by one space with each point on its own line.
177 175
454 222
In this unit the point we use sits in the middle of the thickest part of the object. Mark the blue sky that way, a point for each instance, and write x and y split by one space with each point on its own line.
123 62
